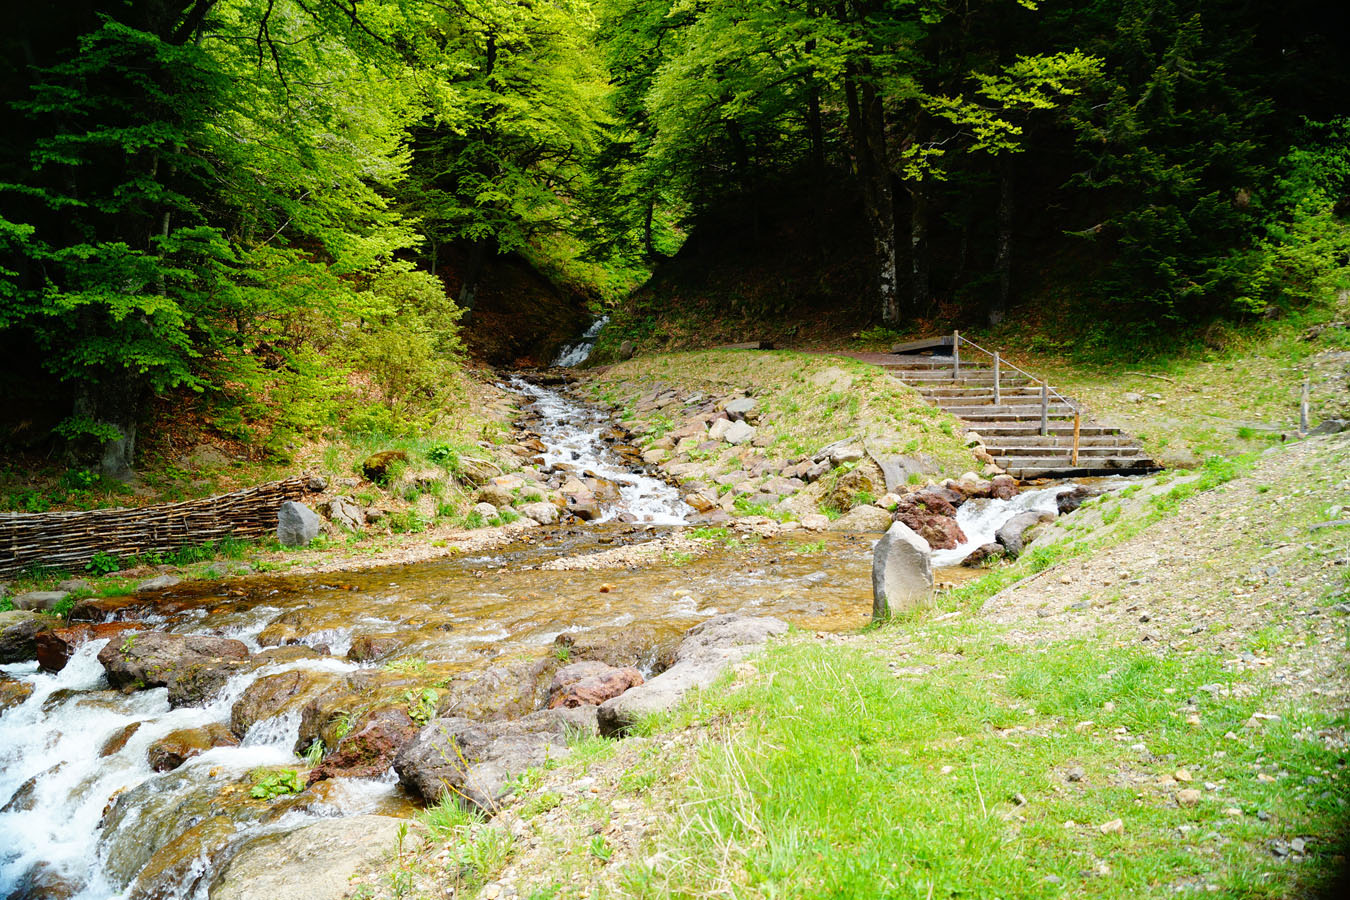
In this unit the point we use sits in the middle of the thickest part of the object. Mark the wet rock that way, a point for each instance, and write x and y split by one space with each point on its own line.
706 651
273 695
316 862
902 573
19 629
183 863
585 510
931 516
1068 501
279 634
177 747
699 502
983 554
863 519
370 748
297 524
118 740
1012 534
38 601
376 647
192 666
590 683
343 512
477 761
543 513
376 466
42 882
56 647
647 648
13 692
504 691
290 653
1003 487
158 583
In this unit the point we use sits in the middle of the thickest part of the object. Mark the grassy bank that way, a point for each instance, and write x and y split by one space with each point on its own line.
808 401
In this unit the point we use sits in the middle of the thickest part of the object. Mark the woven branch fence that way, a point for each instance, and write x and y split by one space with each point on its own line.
68 540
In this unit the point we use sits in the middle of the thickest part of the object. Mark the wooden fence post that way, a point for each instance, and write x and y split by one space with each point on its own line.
998 398
1077 423
1303 411
956 355
1045 408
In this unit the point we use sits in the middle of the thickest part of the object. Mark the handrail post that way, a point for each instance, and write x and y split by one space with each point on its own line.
956 355
997 396
1303 411
1077 423
1045 408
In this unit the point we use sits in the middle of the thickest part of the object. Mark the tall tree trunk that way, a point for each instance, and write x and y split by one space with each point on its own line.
867 128
919 262
473 271
815 127
114 408
1003 250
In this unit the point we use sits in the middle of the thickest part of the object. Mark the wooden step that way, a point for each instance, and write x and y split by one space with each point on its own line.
1084 450
1010 429
1108 463
983 394
1006 412
1055 441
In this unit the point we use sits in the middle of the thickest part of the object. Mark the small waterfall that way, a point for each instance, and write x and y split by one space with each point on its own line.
570 433
981 519
577 353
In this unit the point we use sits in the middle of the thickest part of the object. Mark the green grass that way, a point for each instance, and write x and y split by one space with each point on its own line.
842 780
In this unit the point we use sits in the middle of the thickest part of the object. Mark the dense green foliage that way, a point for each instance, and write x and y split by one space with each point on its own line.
263 202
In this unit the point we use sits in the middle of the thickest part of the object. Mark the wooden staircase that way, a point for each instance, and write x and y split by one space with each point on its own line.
1031 430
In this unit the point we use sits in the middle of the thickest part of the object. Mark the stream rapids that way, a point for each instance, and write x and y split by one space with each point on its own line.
83 815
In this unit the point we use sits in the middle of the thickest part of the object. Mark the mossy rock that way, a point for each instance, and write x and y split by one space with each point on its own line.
376 466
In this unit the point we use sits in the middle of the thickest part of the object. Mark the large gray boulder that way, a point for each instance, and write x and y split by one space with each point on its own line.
42 601
902 573
707 650
18 635
477 761
316 862
1012 534
297 524
192 666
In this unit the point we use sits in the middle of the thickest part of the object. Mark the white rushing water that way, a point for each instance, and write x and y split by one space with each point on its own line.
571 433
980 520
577 353
56 785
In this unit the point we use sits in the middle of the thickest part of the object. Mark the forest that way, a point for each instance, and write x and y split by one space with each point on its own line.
278 213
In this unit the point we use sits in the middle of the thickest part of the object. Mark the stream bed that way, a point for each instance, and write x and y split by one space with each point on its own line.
89 810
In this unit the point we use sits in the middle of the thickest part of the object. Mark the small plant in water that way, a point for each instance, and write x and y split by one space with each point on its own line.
422 704
408 665
270 785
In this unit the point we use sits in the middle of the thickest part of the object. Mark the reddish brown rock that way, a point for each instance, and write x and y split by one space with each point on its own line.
369 750
982 554
931 515
590 684
119 739
375 647
1003 487
55 648
177 747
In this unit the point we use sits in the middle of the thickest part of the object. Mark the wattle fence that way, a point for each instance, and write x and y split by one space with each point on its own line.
68 540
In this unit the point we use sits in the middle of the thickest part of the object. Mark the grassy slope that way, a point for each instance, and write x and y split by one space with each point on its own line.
808 400
983 749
